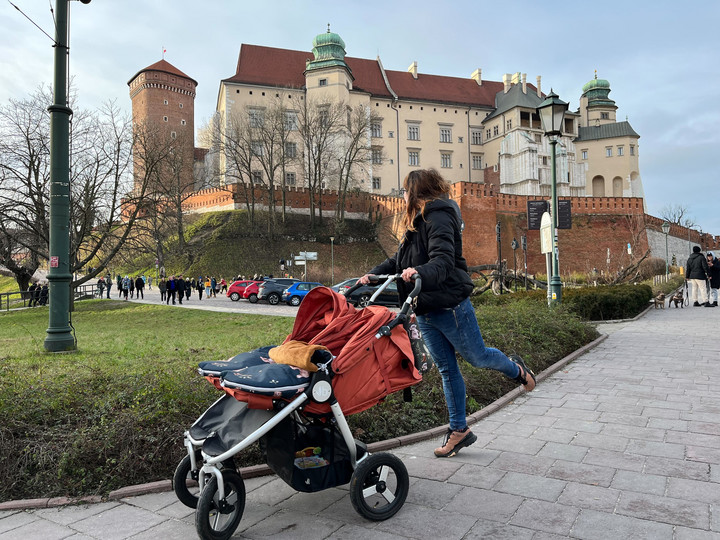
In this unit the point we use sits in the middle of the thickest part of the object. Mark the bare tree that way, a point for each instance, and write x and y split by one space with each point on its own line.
677 214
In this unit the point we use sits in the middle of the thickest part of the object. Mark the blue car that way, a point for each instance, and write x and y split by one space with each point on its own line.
294 294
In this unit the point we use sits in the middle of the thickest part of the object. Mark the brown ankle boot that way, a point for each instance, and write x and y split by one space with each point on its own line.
526 377
454 441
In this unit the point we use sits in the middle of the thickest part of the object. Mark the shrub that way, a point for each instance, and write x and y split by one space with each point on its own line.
652 266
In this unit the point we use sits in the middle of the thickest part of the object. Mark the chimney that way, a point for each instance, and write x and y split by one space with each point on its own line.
477 76
413 69
515 78
524 83
506 83
539 90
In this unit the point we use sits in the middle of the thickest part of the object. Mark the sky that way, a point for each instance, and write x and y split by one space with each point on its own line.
661 58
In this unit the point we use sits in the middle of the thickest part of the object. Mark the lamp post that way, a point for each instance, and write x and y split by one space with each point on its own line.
514 246
552 114
59 333
497 233
523 243
332 259
666 229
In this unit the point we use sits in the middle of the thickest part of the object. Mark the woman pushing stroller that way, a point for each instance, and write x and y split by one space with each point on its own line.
432 248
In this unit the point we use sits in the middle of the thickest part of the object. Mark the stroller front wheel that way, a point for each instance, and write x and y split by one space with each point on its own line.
217 519
379 486
185 482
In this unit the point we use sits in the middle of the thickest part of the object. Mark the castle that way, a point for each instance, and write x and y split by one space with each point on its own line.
483 136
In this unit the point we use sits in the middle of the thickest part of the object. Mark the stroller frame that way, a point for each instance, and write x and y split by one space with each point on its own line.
216 475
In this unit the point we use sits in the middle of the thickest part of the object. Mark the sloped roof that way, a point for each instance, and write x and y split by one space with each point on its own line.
165 66
514 98
606 131
285 68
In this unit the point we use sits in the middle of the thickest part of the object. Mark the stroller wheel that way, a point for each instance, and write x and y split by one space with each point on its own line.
379 486
217 519
185 480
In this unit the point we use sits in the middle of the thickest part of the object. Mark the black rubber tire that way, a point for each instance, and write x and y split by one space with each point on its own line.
364 300
253 298
209 522
379 486
184 481
273 299
234 296
295 301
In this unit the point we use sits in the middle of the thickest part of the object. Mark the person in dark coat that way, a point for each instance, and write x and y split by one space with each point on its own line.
132 287
139 286
180 288
432 248
170 290
108 284
200 286
119 285
188 289
714 268
697 273
162 286
31 294
43 298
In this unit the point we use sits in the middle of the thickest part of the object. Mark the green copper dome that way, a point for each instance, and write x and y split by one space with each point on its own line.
597 92
328 50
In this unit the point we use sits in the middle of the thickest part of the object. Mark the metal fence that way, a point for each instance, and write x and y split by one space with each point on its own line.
21 299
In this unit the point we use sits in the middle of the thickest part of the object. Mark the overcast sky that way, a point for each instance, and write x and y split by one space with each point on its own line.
661 58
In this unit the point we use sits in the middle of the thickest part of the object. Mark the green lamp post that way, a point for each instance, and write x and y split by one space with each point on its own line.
552 115
666 229
59 333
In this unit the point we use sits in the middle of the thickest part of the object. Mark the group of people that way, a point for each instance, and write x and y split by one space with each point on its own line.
178 288
38 294
703 274
128 287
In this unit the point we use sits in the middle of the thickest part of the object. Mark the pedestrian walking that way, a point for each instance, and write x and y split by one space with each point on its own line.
108 284
119 281
131 284
171 290
200 287
188 288
180 284
208 282
139 286
697 273
149 283
432 248
126 286
162 286
213 286
714 271
100 287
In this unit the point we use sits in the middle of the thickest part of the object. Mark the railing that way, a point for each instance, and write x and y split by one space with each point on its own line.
18 299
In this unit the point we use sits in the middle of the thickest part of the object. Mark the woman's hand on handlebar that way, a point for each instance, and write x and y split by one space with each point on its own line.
365 279
408 274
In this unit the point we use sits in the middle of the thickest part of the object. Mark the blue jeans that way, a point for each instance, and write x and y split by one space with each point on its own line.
448 330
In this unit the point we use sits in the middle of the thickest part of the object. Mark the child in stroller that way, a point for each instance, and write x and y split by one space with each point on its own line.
338 360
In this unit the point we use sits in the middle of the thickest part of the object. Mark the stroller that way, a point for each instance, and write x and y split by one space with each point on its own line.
298 416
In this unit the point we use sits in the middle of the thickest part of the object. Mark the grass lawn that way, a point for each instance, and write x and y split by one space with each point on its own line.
113 413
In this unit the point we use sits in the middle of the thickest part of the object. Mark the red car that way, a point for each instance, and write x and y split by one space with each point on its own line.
237 289
251 291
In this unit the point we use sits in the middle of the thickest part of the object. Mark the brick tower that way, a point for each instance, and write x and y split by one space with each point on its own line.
163 99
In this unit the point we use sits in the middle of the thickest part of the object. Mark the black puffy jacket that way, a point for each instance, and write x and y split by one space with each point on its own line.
696 267
714 272
434 249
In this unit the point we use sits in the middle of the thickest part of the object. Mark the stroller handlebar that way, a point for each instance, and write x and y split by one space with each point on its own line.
401 317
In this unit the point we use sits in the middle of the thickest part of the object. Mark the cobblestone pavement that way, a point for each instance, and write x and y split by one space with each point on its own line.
624 442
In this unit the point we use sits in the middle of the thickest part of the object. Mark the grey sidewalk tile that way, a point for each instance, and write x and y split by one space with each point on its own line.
544 516
710 428
715 473
668 424
633 432
677 468
576 414
594 525
670 405
586 496
554 435
573 424
177 510
271 493
422 522
530 486
695 416
476 476
582 473
616 460
655 412
538 421
601 440
432 494
664 510
152 502
13 520
312 503
433 468
516 444
694 490
652 484
286 524
66 515
652 448
486 504
489 530
352 532
693 439
620 418
118 523
39 528
582 405
168 530
510 461
685 533
612 406
567 452
515 429
703 453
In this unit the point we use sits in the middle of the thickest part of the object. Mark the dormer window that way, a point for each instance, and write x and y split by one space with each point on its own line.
323 82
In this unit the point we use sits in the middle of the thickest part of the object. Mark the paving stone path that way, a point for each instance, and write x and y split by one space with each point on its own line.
622 443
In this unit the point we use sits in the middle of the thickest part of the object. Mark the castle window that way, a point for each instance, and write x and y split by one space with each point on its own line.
377 156
476 161
476 136
376 182
445 134
173 135
604 116
632 150
290 149
181 105
290 121
414 158
496 129
608 151
584 154
413 132
487 134
183 122
290 179
376 129
165 102
257 118
445 160
323 82
257 177
391 134
508 125
620 150
256 147
165 118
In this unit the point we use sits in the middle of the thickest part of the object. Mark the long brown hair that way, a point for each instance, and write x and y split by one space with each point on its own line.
422 186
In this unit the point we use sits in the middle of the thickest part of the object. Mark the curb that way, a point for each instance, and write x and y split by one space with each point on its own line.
255 471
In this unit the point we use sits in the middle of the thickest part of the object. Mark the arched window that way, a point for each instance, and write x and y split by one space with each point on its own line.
617 187
598 186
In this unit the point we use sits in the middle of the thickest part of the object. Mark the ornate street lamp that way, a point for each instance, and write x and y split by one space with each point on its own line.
552 116
332 260
666 229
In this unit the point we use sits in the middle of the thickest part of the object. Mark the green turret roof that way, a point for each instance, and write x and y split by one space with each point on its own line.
596 92
328 50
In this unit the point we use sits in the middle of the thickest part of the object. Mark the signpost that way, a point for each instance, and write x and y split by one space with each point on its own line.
303 258
546 247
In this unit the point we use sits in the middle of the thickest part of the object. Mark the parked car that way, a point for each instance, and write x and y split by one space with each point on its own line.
272 289
294 294
251 292
361 296
344 285
236 290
